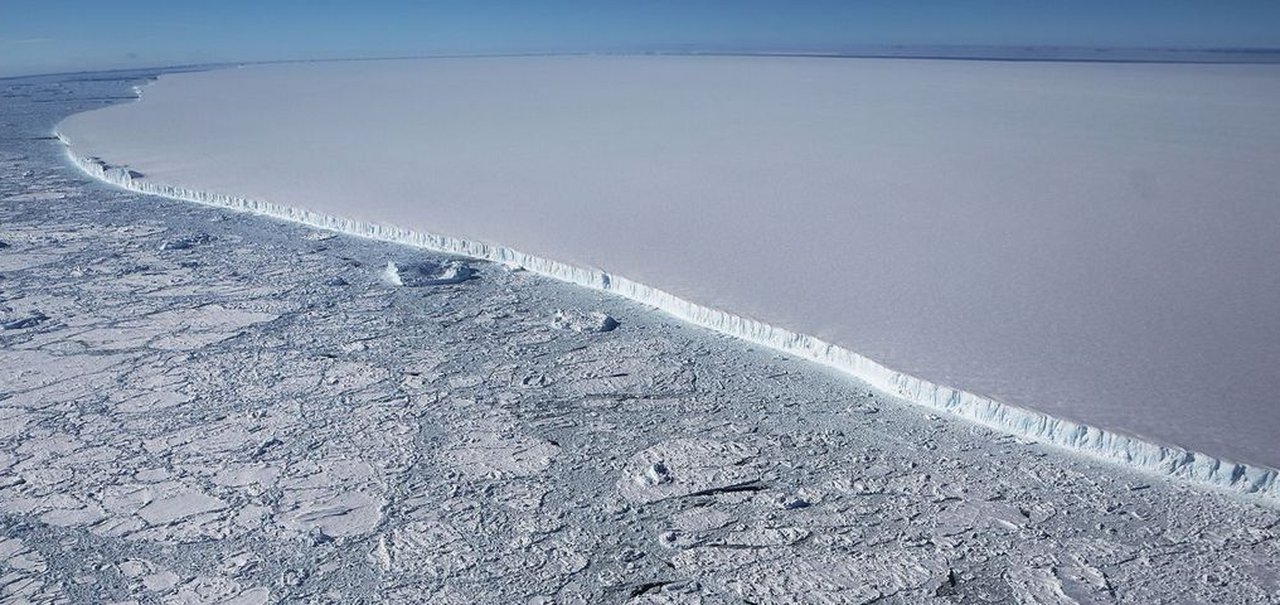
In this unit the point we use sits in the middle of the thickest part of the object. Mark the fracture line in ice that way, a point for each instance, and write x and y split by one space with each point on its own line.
1074 436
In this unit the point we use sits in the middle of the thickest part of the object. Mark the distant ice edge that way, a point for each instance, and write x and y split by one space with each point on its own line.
1092 441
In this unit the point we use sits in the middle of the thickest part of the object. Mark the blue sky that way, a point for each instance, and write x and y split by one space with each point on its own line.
59 35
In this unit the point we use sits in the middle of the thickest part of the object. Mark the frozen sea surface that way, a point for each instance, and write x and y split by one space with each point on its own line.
1098 242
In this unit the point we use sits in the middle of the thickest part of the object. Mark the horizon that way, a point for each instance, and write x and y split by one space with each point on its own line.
74 36
1064 54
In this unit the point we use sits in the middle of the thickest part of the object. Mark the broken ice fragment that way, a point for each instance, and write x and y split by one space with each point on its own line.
317 536
121 174
677 540
320 236
179 506
656 474
686 467
186 243
790 502
427 273
583 321
160 581
30 321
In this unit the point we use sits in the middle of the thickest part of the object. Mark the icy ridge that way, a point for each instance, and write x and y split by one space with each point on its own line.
1107 445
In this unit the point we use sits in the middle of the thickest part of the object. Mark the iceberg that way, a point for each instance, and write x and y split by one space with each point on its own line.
888 250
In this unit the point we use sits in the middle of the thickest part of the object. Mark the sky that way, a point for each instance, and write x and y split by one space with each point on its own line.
44 36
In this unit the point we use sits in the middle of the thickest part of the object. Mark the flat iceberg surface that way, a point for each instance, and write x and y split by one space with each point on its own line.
1098 242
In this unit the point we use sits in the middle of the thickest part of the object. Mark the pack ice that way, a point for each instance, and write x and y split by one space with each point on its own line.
1080 253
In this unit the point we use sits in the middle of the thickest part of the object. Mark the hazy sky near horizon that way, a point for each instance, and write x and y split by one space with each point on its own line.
39 36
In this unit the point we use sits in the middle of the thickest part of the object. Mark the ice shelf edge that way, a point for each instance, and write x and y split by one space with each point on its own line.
1091 441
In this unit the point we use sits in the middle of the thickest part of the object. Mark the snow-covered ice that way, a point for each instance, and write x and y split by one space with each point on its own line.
1093 241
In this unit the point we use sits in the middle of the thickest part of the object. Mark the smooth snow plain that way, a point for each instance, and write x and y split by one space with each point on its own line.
1094 241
